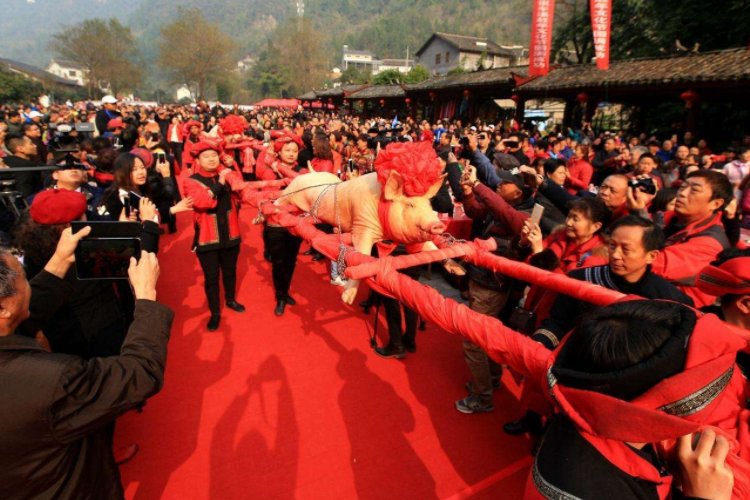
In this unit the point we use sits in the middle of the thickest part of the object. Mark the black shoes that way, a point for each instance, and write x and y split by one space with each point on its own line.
409 345
280 305
213 323
290 301
318 256
530 423
390 351
235 306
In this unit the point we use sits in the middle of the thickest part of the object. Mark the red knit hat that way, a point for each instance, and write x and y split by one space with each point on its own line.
206 144
57 206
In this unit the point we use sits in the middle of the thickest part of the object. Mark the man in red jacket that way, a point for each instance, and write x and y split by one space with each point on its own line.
695 234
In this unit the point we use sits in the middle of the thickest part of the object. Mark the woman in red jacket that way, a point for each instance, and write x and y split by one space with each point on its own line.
214 189
580 170
580 244
176 138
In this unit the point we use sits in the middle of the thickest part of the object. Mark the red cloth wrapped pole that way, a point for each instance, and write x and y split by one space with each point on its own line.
362 269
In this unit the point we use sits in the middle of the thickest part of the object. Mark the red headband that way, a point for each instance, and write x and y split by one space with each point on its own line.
732 277
205 145
284 138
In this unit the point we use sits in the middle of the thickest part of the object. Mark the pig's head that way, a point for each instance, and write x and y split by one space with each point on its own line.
410 218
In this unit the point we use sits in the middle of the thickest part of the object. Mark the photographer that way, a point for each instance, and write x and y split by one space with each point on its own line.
485 169
502 214
57 408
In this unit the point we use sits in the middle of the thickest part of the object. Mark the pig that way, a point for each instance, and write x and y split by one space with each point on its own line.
411 218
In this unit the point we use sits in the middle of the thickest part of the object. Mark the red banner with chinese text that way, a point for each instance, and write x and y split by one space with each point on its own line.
601 19
541 37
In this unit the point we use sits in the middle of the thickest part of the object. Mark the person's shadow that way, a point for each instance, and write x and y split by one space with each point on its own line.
183 436
377 420
235 468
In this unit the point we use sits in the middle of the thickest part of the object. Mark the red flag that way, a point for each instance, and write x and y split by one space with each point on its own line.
541 37
601 18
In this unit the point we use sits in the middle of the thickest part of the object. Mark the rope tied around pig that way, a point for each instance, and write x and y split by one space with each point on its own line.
341 258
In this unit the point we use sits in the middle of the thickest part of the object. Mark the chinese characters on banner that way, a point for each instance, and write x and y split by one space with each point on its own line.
541 37
601 17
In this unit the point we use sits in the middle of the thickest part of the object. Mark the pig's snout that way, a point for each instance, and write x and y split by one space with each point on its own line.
437 227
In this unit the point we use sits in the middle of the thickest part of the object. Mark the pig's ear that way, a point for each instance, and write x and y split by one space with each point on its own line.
435 187
394 186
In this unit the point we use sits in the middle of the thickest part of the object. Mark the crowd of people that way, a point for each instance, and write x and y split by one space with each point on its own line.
659 217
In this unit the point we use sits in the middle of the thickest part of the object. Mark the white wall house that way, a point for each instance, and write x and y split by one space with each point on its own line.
443 52
400 65
361 60
69 71
183 92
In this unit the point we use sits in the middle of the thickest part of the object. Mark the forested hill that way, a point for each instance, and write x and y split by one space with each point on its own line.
385 27
26 26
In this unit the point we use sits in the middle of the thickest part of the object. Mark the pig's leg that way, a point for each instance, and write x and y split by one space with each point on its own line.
363 244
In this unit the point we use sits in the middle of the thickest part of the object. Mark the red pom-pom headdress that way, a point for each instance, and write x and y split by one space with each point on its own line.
233 125
416 162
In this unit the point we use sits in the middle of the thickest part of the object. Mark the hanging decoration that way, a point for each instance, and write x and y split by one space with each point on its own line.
601 19
541 37
689 97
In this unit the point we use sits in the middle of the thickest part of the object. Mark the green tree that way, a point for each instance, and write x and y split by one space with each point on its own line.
17 88
389 77
352 76
107 51
292 62
417 74
195 51
643 28
457 70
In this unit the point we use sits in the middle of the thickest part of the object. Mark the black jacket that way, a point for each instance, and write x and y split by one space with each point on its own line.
56 407
27 183
103 117
566 311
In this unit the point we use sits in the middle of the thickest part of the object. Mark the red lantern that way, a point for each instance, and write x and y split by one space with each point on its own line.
361 102
382 102
432 96
583 97
346 101
330 101
689 97
514 98
467 94
407 101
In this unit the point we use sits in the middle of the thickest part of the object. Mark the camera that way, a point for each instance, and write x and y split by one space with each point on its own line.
463 141
645 185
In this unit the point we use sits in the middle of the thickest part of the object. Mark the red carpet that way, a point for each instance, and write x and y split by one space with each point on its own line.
300 407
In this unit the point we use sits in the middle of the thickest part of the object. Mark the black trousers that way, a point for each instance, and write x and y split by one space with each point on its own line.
396 331
213 262
176 148
282 247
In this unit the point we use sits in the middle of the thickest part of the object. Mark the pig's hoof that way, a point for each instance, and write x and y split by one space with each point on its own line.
349 295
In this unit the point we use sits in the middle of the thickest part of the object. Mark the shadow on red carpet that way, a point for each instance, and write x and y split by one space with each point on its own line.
299 407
